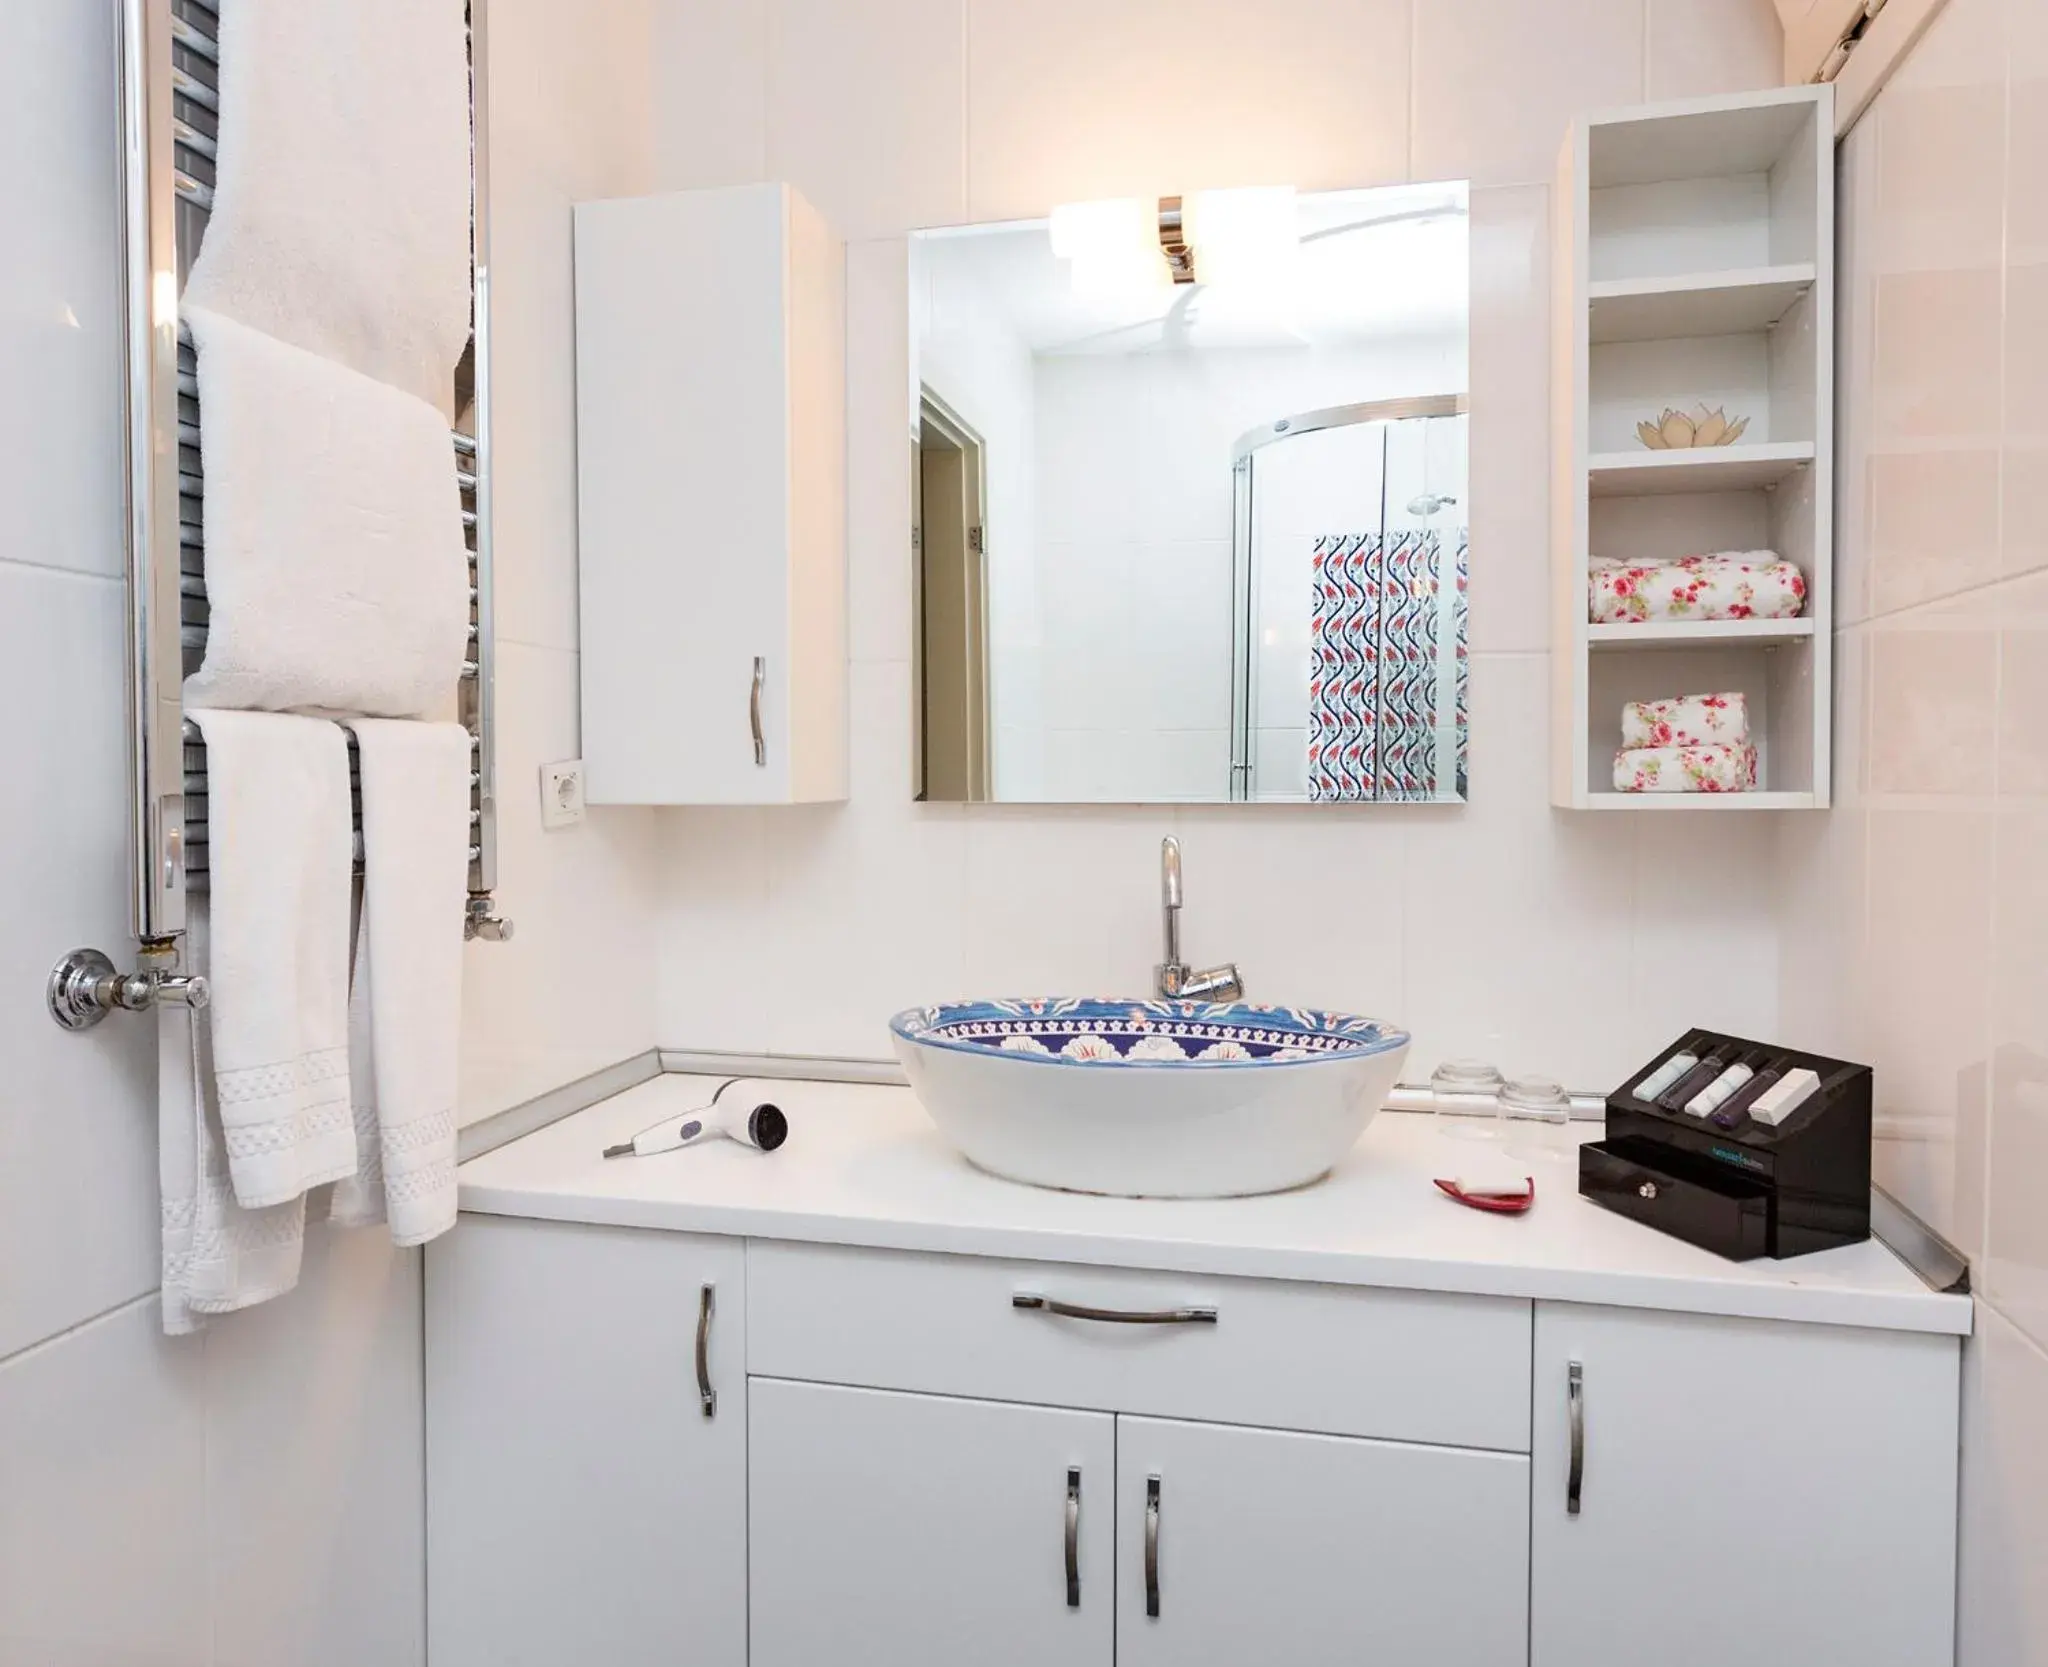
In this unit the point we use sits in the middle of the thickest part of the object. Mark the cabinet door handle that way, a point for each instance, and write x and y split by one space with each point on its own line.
1575 1405
1073 1537
706 1302
754 711
1152 1548
1113 1316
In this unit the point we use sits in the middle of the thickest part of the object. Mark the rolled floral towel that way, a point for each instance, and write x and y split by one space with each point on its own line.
1734 584
1687 721
1717 769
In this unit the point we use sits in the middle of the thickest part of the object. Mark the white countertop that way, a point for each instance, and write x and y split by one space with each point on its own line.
864 1166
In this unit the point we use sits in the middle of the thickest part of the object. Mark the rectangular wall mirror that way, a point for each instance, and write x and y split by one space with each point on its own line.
1191 500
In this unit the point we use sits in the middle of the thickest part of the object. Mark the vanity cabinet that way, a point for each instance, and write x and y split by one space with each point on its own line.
1711 1490
900 1529
917 1459
1238 1545
586 1480
711 499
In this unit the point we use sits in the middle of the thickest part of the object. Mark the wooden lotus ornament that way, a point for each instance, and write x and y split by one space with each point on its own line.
1676 431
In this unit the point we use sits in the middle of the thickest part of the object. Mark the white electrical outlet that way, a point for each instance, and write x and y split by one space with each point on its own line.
561 793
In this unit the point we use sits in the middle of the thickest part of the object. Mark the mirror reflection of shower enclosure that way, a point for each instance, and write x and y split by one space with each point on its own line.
1349 578
1194 536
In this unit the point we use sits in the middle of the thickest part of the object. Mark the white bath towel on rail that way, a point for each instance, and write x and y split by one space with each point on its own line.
278 859
341 205
337 579
217 1256
405 1010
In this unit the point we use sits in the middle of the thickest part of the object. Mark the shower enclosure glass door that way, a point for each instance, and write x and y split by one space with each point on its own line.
1349 580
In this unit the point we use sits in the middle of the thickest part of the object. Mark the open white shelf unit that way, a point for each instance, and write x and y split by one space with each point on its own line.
1694 265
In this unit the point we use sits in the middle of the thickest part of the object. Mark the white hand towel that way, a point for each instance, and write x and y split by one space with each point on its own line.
336 574
217 1256
341 213
278 858
406 1006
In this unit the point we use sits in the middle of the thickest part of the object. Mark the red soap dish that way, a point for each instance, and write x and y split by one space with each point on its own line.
1495 1206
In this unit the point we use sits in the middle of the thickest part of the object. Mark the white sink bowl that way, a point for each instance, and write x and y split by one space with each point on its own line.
1149 1099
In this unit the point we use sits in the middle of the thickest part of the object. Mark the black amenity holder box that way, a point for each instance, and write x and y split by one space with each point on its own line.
1753 1190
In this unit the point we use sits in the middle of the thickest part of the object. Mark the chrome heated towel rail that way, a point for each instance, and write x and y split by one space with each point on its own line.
170 71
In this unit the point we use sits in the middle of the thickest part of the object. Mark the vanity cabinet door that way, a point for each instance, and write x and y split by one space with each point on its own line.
920 1531
1746 1490
586 1501
1241 1545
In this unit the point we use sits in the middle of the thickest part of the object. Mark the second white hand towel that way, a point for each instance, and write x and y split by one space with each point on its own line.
407 1006
279 853
336 575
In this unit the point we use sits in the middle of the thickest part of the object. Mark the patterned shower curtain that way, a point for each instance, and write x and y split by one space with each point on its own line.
1373 689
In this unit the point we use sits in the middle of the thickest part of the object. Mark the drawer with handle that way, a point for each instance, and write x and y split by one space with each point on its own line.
1342 1360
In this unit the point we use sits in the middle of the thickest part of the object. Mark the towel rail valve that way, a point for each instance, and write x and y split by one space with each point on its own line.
85 986
480 919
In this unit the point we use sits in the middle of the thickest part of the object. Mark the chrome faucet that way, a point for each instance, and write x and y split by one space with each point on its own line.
1176 979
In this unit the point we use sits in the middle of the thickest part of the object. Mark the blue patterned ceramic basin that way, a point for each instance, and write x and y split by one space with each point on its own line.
1151 1099
1104 1031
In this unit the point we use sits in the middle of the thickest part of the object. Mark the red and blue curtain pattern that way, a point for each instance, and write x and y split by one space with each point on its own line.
1373 683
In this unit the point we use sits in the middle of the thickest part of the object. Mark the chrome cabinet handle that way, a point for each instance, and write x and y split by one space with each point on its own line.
754 711
1113 1316
1152 1548
1575 1401
1073 1537
708 1396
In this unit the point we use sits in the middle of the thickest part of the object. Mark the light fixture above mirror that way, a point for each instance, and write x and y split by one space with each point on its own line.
1232 238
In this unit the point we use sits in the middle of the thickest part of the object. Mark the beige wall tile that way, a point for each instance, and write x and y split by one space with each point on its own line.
1070 99
1933 695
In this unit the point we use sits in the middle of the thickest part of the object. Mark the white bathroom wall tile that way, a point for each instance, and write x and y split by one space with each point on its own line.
103 1515
1510 422
864 913
571 119
1517 938
1934 689
1932 527
716 960
2002 1606
62 313
1181 642
78 1189
1283 763
573 990
1727 979
1496 84
878 430
2024 545
1062 901
315 1465
1069 100
1926 1011
864 111
2015 1273
1087 597
1701 47
1173 766
711 118
1309 903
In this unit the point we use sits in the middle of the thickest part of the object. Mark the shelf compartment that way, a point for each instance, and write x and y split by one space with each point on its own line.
1623 474
1697 633
1696 304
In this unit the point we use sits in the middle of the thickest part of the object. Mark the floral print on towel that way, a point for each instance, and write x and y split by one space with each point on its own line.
1716 769
1736 584
1686 721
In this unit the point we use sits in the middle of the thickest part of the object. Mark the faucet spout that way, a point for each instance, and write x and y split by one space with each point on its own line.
1174 978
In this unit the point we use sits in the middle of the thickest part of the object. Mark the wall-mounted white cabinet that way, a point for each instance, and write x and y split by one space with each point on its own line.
1694 266
710 399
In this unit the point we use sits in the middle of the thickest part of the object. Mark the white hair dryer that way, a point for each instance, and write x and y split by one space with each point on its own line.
761 1126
